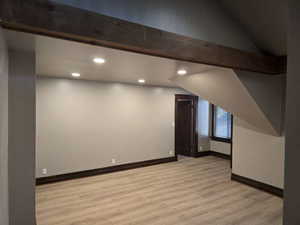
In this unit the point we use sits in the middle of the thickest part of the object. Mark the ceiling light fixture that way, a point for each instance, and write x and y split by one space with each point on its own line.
99 60
142 81
76 74
182 72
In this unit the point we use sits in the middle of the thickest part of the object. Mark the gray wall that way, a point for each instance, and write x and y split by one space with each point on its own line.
256 155
292 154
21 141
220 147
83 125
202 19
3 131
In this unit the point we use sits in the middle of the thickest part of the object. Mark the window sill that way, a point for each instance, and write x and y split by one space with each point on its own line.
225 140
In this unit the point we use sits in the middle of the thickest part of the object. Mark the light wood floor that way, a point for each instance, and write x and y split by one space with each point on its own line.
187 192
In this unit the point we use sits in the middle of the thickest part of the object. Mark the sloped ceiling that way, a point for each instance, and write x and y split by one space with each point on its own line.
264 20
224 88
269 94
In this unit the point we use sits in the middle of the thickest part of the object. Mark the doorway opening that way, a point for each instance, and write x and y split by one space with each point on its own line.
186 143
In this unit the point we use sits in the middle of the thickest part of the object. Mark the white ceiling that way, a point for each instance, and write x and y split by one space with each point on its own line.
60 58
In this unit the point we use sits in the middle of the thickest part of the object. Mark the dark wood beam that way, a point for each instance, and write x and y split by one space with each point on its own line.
56 20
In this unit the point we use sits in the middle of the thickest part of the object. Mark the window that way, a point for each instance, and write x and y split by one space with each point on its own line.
221 124
203 118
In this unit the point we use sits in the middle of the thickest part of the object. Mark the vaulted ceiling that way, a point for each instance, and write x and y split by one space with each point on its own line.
264 20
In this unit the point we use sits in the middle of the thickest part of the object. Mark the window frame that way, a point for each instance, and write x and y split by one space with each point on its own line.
213 136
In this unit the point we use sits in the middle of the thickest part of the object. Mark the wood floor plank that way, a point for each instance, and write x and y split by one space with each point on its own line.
188 192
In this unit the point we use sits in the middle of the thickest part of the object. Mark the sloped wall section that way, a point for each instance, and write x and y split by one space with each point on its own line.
269 94
236 94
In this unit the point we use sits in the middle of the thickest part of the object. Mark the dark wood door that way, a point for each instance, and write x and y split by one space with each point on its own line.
185 125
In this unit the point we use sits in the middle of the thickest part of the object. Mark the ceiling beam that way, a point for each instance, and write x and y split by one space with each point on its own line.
56 20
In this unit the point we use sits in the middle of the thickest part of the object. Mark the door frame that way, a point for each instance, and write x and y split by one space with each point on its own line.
194 138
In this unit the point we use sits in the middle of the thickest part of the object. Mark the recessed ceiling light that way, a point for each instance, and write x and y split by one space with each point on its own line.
99 60
182 72
142 81
76 74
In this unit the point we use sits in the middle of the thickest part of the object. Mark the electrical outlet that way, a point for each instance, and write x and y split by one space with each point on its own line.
200 148
44 171
173 124
113 161
171 153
